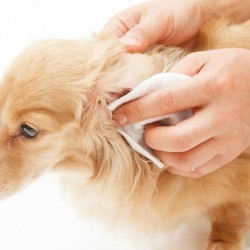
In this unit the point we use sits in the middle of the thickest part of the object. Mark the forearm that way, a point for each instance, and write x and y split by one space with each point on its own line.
237 10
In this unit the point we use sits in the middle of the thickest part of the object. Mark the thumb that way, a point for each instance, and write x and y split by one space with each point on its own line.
144 34
191 64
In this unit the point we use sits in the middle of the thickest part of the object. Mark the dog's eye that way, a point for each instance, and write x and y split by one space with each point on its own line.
28 131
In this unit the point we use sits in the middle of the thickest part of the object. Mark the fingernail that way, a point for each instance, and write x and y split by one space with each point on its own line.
120 119
128 41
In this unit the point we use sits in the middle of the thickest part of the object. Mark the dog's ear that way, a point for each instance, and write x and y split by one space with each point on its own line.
100 82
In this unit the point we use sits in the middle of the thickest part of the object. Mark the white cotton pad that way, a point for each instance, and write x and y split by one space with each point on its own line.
134 133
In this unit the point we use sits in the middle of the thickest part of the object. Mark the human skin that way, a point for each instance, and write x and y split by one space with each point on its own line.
220 128
171 22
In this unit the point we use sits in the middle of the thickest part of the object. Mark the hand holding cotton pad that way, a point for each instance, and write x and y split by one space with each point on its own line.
134 133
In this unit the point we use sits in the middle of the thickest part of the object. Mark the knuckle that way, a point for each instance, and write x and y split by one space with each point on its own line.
141 30
219 83
223 82
218 122
182 143
184 163
136 113
115 26
233 115
165 102
120 23
160 16
208 91
236 139
229 118
194 62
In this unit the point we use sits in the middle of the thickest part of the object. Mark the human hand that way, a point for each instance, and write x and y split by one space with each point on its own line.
218 93
170 22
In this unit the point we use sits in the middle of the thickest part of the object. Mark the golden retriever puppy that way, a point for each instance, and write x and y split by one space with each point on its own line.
54 116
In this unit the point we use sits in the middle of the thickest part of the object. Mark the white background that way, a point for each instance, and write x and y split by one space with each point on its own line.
37 218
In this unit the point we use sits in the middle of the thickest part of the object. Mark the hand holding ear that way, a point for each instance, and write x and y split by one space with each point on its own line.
218 92
168 22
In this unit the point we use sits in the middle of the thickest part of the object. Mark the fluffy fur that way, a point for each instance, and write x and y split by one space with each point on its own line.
62 89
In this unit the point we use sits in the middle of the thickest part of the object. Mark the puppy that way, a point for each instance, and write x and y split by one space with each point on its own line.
54 117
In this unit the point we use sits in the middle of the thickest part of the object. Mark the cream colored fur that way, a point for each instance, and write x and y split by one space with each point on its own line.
62 88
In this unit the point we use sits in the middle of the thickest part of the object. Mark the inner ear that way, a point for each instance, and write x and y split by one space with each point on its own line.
92 112
117 95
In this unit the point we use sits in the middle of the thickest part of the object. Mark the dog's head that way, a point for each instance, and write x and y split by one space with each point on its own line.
49 105
54 114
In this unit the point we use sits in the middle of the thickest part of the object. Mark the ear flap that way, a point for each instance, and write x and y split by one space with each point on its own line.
91 110
99 86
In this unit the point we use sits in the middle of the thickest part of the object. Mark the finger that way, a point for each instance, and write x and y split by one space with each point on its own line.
144 34
211 166
193 158
182 137
208 168
192 64
121 23
190 93
189 173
